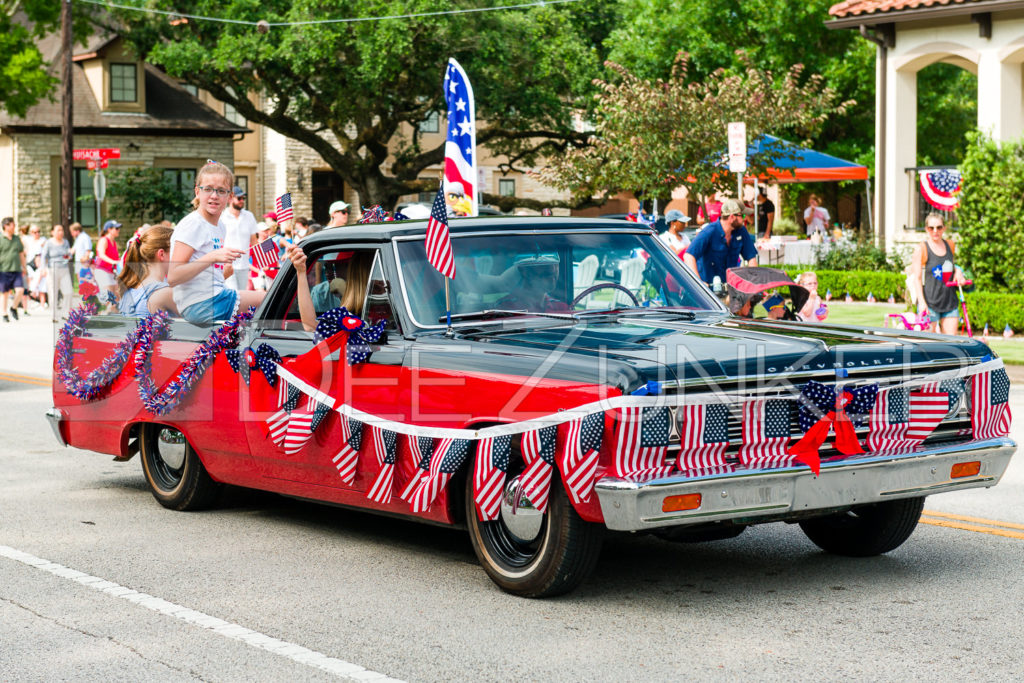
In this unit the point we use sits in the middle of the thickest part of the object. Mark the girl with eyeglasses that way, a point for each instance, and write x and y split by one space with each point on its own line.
932 266
198 255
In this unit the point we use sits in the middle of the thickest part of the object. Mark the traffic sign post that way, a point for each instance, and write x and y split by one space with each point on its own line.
738 154
96 154
96 160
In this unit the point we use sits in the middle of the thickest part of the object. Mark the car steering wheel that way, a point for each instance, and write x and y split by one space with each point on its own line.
604 285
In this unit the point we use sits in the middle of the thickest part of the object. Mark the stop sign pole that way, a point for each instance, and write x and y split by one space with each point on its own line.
738 154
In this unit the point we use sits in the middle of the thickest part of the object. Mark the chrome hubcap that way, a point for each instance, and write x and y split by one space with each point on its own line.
518 514
172 448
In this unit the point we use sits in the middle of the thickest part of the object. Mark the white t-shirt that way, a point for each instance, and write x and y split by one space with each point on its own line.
82 247
816 218
675 242
239 231
203 237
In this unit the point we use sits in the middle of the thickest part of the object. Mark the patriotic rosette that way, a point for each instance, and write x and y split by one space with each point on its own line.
941 187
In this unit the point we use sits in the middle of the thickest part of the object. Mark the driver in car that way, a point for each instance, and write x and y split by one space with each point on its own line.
538 277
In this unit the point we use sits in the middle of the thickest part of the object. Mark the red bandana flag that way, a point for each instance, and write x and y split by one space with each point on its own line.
283 207
439 243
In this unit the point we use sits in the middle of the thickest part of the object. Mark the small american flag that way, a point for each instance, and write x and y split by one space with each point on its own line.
283 207
277 424
990 404
539 453
385 444
420 448
439 243
902 418
579 458
766 433
299 429
704 436
492 456
264 255
642 440
446 461
348 456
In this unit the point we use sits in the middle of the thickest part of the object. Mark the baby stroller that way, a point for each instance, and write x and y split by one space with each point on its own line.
748 284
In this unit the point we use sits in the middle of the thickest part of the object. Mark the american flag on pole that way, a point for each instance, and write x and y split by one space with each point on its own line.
348 456
283 207
492 456
579 459
277 424
766 432
642 440
439 242
264 255
420 448
990 404
902 418
704 436
385 444
539 454
448 457
460 146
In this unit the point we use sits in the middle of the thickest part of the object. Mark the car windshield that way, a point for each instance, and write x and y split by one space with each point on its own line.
553 273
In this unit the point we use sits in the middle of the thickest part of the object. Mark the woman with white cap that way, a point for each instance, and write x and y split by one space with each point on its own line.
674 237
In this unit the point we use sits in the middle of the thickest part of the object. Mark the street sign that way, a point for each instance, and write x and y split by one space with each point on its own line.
102 153
737 147
99 185
93 164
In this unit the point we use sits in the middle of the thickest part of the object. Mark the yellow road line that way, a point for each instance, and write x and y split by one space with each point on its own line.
979 520
973 527
24 379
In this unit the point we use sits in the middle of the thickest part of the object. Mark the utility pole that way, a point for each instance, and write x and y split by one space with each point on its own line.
67 188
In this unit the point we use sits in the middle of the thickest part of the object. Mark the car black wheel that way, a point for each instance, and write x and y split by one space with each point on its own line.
532 554
866 530
173 470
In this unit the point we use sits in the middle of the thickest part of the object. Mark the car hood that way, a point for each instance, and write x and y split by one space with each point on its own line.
631 351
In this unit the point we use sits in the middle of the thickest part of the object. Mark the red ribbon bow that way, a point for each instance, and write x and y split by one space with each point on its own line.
806 449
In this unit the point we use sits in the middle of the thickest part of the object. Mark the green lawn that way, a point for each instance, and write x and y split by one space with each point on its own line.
1010 350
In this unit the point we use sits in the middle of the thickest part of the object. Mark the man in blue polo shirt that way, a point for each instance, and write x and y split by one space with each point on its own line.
720 244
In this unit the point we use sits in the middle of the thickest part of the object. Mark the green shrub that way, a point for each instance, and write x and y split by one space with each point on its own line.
998 310
991 230
859 283
858 256
786 226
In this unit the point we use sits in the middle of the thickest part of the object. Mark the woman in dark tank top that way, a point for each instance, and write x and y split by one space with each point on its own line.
929 259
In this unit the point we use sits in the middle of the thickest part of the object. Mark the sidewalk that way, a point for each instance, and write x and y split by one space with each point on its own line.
26 344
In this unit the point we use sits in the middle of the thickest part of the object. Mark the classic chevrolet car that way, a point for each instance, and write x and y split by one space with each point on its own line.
569 395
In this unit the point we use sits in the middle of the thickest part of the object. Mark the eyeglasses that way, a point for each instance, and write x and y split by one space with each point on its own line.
935 227
210 189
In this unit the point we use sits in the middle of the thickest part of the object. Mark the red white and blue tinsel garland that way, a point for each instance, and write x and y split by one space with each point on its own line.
141 340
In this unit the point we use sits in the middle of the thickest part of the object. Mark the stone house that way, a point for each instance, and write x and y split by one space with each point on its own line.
119 102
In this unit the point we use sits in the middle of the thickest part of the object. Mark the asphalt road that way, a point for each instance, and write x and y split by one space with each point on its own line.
267 588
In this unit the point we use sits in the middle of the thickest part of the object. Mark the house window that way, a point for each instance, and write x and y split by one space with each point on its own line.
85 202
232 115
507 187
242 181
431 124
184 179
123 83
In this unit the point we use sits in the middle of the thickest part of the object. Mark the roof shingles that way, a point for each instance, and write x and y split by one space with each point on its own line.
849 8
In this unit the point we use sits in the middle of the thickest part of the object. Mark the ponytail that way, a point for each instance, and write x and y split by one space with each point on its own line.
142 250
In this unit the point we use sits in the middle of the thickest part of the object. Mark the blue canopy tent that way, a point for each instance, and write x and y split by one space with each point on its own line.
791 163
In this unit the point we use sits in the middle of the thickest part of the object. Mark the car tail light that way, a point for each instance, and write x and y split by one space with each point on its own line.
965 469
689 501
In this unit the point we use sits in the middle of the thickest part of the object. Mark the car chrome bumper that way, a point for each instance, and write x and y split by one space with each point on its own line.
747 494
55 416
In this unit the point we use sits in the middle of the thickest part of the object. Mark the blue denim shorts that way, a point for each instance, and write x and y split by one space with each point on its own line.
219 307
939 315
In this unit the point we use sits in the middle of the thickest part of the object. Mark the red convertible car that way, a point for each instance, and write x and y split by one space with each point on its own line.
587 383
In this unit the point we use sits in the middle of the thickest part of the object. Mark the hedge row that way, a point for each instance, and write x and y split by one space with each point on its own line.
859 283
998 310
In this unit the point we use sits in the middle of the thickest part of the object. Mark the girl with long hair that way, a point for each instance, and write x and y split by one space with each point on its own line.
142 281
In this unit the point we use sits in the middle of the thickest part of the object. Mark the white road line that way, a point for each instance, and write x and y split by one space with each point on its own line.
283 648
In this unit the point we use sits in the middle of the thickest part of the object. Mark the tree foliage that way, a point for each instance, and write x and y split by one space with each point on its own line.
947 110
991 207
355 92
23 76
651 136
139 195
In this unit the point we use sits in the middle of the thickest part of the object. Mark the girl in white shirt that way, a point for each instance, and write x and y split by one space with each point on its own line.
198 254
